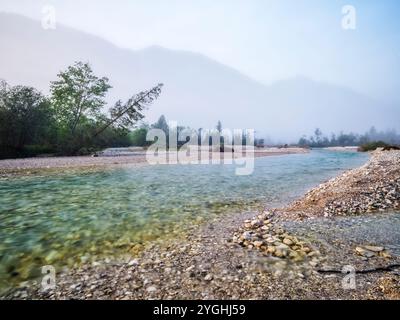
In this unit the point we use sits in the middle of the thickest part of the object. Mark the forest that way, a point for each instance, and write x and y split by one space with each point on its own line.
371 138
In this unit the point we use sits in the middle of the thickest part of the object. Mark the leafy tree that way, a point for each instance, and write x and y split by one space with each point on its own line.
78 95
78 98
71 121
138 137
25 118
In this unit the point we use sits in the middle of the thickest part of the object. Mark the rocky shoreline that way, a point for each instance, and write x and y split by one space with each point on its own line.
264 257
370 188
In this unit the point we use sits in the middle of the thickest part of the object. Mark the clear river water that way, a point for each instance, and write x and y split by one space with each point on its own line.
79 216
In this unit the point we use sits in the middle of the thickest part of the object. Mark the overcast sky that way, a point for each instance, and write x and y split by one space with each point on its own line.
267 40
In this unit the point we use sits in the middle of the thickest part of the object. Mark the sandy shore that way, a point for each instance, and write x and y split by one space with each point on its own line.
32 165
263 257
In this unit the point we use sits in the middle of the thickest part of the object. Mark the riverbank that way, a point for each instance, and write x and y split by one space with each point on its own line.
29 166
370 188
274 254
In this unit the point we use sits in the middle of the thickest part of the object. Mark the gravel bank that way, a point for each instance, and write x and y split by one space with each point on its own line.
35 165
370 188
209 264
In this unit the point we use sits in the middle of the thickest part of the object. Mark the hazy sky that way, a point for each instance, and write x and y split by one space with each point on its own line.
267 40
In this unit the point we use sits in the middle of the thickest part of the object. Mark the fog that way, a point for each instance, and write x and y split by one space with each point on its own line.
280 68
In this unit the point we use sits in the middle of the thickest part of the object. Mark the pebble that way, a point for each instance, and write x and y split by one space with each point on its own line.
287 241
276 242
151 289
380 190
374 248
133 262
258 244
365 253
208 277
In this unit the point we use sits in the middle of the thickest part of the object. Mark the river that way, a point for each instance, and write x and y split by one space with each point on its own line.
74 217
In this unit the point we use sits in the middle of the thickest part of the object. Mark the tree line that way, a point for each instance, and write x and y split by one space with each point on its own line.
381 138
138 136
71 120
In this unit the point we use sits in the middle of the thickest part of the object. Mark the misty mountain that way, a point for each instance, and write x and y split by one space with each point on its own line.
198 91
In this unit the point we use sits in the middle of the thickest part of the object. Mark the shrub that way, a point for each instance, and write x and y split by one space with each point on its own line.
371 146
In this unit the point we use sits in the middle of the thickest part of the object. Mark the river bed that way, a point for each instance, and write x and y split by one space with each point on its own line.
72 217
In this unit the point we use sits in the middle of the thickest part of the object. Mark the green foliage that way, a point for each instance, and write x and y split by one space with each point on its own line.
371 146
138 137
76 99
125 115
25 118
78 95
37 149
71 121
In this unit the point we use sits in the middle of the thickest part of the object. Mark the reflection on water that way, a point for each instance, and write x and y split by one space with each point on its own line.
70 217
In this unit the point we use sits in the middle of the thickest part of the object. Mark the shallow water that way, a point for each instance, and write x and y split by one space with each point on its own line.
69 218
381 229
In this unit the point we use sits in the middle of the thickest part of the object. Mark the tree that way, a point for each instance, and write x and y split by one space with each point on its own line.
372 133
78 95
318 137
25 117
303 142
219 126
200 136
333 141
126 115
77 99
138 137
3 91
71 121
372 137
161 124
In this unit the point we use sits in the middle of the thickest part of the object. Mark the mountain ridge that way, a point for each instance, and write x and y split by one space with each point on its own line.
198 90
